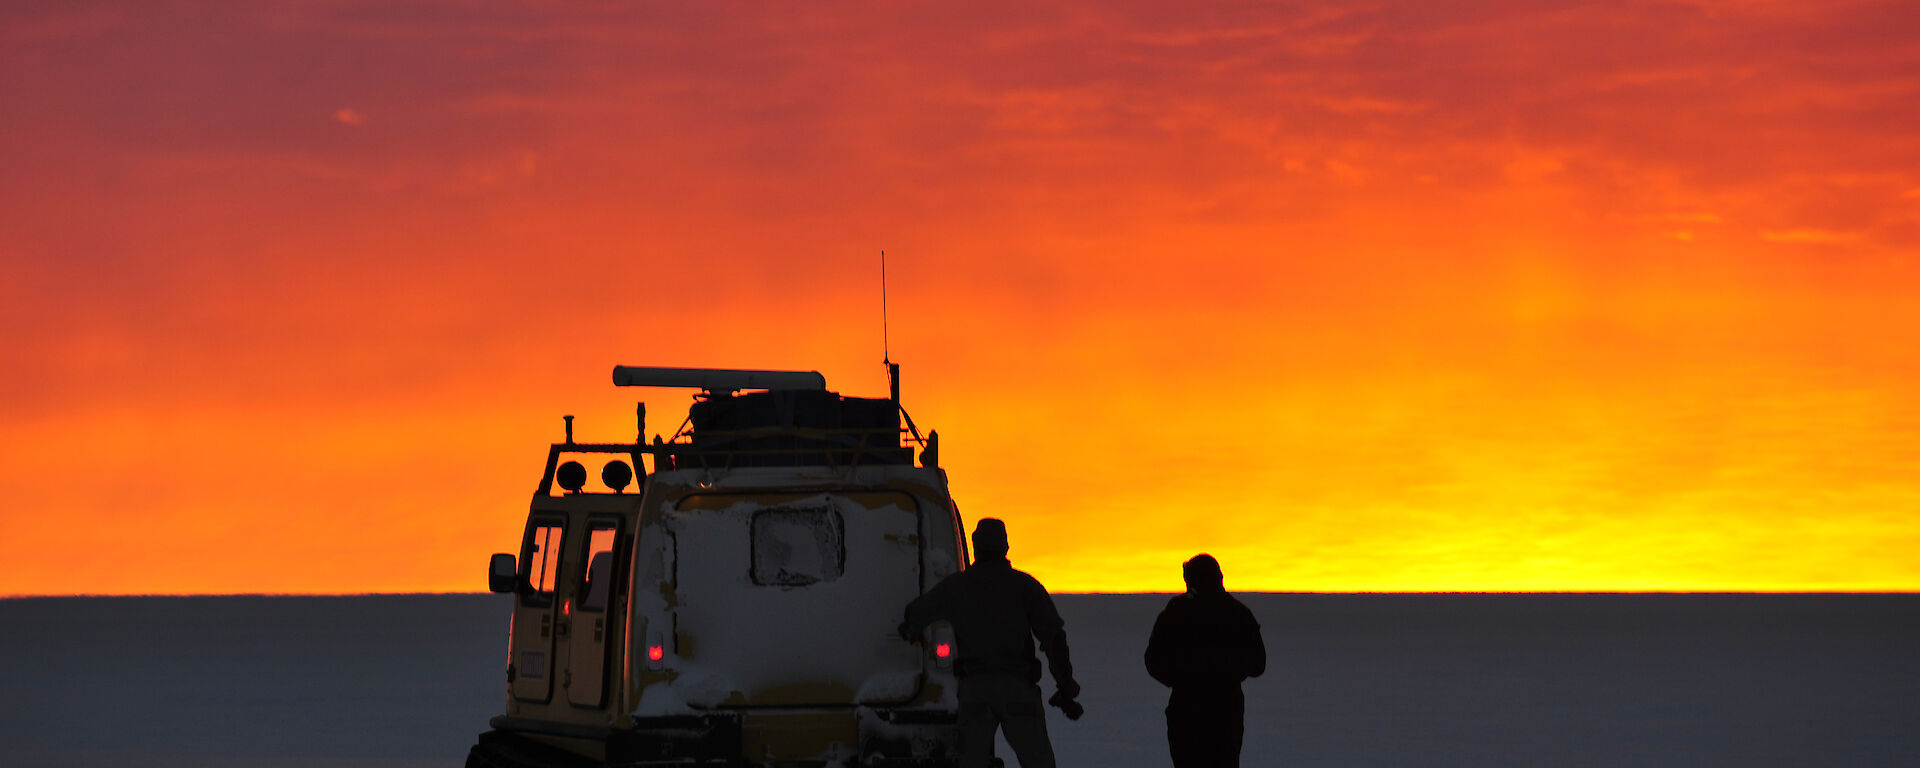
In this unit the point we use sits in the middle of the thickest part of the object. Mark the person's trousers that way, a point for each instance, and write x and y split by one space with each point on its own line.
990 702
1205 730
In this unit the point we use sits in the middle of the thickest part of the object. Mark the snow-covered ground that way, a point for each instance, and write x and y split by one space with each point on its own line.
1356 680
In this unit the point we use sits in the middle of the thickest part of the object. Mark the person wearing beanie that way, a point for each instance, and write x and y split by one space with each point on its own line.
997 614
1204 645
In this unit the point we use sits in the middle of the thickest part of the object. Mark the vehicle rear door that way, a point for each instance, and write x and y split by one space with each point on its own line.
792 599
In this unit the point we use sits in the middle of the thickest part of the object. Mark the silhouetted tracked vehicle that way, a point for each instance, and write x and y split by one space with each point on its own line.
737 606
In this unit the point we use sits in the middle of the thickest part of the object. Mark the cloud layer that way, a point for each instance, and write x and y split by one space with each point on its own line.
1356 296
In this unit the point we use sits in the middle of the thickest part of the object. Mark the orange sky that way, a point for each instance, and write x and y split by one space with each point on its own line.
1393 296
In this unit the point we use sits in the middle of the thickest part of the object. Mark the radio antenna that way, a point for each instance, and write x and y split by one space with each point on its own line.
886 355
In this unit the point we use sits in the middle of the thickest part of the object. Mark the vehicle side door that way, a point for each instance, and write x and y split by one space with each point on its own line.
542 552
595 610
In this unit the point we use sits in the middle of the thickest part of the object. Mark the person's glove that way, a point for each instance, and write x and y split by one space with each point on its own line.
1067 689
1067 705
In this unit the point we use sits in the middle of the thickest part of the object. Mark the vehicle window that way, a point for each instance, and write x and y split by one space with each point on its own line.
796 546
960 537
543 558
599 567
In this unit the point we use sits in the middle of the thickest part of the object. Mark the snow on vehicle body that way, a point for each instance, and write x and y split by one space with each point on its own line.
740 607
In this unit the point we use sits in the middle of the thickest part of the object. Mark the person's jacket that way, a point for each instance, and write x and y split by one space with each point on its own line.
1205 641
997 613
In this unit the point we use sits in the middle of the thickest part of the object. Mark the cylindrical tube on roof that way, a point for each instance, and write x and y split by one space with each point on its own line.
715 379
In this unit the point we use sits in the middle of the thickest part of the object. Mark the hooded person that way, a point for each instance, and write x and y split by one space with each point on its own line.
998 614
1204 645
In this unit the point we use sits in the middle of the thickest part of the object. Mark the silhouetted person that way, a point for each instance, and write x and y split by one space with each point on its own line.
997 613
1203 645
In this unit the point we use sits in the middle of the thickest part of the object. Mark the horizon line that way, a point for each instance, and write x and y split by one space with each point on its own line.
1088 593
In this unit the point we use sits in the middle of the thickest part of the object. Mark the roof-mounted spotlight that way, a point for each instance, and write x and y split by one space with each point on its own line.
616 474
572 476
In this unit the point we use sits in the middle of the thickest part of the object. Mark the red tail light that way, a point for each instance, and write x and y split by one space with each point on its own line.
942 645
656 651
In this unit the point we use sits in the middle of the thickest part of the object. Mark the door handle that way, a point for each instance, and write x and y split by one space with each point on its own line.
560 629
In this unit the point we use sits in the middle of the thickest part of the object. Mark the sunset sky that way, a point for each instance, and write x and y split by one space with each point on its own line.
1354 296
